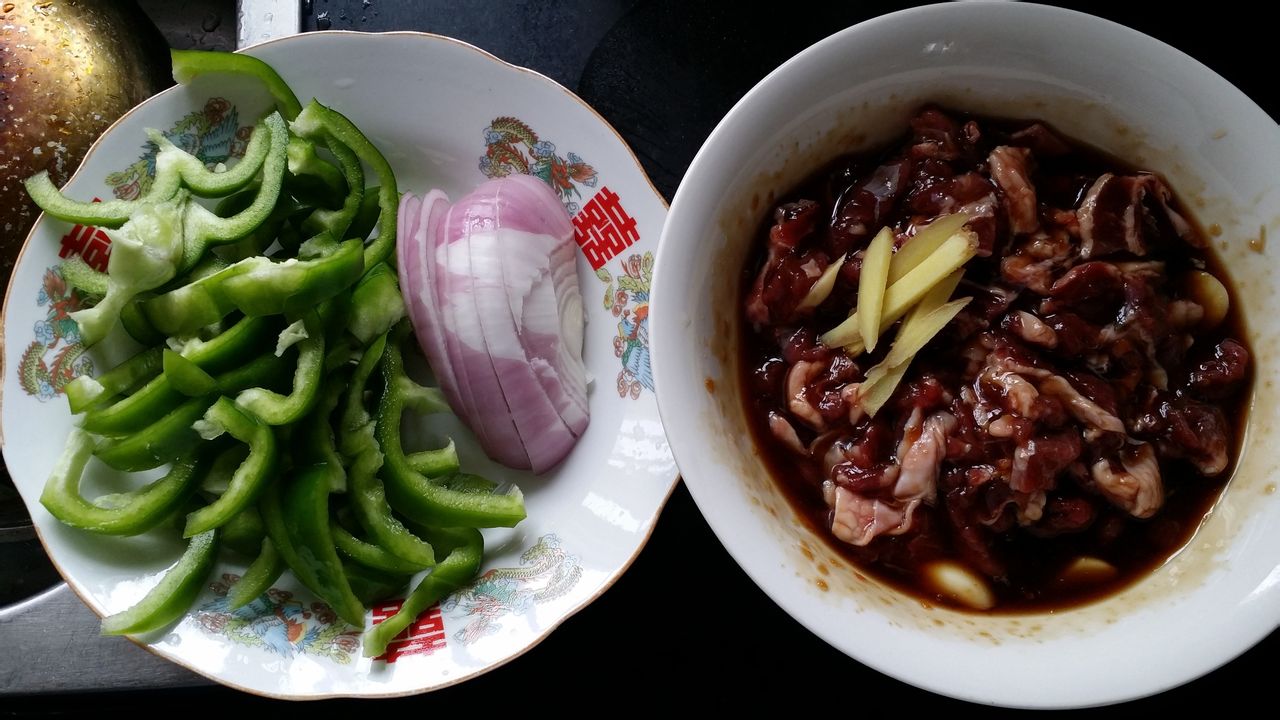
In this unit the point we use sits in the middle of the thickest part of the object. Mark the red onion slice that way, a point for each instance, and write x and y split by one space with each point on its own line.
492 290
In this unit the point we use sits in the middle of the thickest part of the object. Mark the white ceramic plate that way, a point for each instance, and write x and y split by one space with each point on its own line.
446 115
1120 90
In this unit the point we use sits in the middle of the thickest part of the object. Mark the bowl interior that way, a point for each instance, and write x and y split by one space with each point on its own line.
1111 87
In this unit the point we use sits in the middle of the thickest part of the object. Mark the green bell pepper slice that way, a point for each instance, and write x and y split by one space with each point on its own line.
277 409
311 179
145 253
185 376
258 577
190 64
356 426
252 475
307 544
314 443
175 168
169 599
368 498
367 218
242 533
204 182
319 123
159 443
336 222
202 229
85 392
256 286
459 567
372 586
158 397
376 303
83 278
410 492
129 513
370 555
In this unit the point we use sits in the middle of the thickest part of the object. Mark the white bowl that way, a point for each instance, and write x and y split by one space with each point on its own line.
1115 88
446 115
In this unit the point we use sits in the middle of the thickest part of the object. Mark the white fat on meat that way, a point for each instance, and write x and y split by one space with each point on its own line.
1102 196
1002 427
1019 391
851 394
1080 407
1009 171
1034 330
785 433
1137 488
858 520
798 378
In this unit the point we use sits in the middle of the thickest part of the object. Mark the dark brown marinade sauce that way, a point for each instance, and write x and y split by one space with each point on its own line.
1050 217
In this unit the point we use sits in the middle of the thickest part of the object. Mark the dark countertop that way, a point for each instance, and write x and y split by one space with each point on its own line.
685 621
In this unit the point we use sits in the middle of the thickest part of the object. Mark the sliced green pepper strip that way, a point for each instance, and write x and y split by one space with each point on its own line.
159 443
336 222
185 376
136 323
372 586
203 229
410 492
452 573
312 179
370 555
204 182
280 226
252 475
129 513
368 497
80 276
256 286
314 441
171 598
356 425
242 533
376 303
175 167
158 397
435 463
229 348
258 578
111 213
367 218
218 478
276 409
145 253
467 482
190 64
317 122
305 513
85 393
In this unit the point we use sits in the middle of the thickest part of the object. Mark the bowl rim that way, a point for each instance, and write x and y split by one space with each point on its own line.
782 589
608 581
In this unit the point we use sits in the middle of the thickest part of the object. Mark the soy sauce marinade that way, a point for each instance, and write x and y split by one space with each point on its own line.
1123 330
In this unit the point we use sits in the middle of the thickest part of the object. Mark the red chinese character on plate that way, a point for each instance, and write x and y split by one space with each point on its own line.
90 243
603 228
423 637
